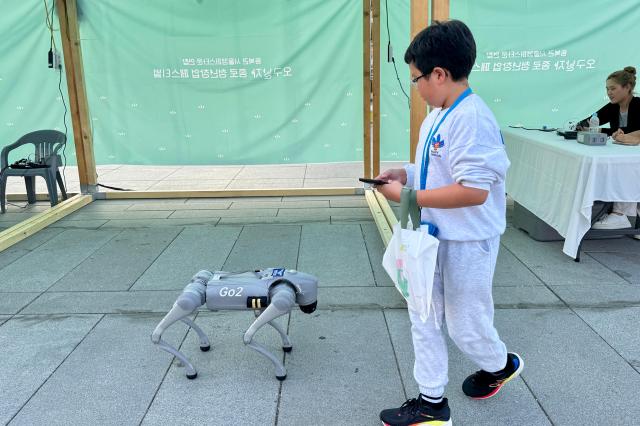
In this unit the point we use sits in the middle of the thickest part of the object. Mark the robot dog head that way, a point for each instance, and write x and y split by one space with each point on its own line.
305 286
310 308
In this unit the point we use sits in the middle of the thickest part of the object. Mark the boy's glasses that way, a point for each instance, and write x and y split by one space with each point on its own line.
414 81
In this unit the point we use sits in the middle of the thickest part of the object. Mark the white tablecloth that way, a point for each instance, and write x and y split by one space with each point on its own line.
558 180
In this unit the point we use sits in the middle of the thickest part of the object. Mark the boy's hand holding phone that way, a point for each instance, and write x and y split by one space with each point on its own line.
391 190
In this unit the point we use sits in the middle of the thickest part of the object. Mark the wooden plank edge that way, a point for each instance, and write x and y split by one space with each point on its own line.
228 193
386 209
379 217
26 228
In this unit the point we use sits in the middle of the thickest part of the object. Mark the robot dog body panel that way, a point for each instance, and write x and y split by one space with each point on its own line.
252 290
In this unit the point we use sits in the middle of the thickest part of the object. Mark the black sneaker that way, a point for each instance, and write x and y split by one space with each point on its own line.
416 411
483 385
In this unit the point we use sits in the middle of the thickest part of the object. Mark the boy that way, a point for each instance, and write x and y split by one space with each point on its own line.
459 174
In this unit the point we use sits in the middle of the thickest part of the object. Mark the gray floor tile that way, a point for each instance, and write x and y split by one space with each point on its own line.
271 172
511 272
182 185
329 198
625 264
194 173
242 204
612 245
265 183
336 220
323 171
571 371
375 249
84 224
153 223
110 378
127 256
547 261
18 250
231 199
212 205
599 296
36 240
332 183
42 343
195 249
336 254
266 246
4 318
127 214
525 297
52 260
337 211
359 297
109 206
181 214
16 217
619 328
349 203
103 302
255 220
233 382
329 354
11 303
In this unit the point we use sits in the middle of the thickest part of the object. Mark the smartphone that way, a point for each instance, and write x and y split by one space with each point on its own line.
373 181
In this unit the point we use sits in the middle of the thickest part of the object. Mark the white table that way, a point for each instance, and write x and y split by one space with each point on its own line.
558 180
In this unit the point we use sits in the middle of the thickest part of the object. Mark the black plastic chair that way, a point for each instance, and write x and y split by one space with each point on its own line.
47 144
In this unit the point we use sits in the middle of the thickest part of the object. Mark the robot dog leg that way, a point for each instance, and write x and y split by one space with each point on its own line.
192 297
283 299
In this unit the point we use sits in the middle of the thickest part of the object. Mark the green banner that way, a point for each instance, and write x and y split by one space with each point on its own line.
224 82
197 82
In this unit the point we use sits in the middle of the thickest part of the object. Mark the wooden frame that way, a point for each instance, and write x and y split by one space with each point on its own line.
440 10
367 117
384 227
375 86
80 119
419 20
276 192
35 223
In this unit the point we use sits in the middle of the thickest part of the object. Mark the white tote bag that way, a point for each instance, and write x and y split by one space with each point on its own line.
410 257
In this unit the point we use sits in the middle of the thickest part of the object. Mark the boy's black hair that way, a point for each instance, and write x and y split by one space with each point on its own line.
449 45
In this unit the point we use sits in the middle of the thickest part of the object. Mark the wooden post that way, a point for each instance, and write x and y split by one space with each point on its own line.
366 86
70 35
440 10
375 11
419 21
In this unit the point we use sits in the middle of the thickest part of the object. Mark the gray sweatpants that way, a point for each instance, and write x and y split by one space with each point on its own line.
462 300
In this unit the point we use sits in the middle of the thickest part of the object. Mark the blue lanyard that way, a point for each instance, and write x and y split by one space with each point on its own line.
431 134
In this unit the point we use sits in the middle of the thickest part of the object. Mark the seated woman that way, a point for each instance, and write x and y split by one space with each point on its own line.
623 115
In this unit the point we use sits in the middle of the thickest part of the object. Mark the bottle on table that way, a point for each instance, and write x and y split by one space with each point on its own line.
594 123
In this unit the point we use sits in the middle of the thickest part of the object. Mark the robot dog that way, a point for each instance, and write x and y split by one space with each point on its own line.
270 293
